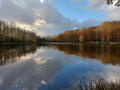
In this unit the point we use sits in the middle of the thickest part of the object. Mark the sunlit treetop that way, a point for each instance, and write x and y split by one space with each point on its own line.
112 2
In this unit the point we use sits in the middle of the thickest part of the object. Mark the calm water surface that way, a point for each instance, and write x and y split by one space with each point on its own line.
57 67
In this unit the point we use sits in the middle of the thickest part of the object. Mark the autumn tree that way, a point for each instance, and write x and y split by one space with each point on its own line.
81 38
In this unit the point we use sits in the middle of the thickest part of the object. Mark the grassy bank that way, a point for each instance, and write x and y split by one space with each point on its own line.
79 43
104 42
98 42
39 43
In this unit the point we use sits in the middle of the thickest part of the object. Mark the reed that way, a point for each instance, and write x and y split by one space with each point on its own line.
99 85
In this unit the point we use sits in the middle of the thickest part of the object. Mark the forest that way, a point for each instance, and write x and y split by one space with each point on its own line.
106 32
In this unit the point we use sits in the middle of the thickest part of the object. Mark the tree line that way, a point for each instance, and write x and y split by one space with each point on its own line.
10 33
106 32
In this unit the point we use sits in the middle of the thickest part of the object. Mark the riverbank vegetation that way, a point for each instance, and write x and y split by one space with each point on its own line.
99 85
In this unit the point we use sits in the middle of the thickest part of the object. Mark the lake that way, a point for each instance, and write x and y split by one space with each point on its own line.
57 66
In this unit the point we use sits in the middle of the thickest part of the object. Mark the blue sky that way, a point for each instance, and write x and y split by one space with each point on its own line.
51 17
77 10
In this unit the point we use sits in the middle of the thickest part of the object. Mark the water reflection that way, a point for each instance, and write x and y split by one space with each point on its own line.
14 53
107 54
61 71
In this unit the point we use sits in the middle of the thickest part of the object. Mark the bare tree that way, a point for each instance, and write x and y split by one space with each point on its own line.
112 1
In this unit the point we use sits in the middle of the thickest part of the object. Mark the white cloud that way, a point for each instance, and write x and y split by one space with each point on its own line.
40 22
75 1
0 3
42 1
20 4
113 13
96 4
24 26
90 22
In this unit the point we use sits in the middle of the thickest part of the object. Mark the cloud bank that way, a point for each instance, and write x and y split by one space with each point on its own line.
38 15
42 17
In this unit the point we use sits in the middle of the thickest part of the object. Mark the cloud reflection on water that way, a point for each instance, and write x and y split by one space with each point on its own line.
55 68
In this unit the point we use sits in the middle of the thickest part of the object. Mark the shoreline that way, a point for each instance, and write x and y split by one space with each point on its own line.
81 43
40 43
20 43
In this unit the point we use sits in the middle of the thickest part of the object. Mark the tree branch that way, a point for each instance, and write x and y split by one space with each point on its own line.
111 2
